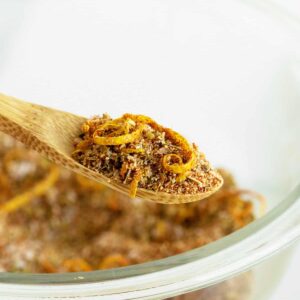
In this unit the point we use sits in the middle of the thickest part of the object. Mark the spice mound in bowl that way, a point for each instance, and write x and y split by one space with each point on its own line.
137 151
55 221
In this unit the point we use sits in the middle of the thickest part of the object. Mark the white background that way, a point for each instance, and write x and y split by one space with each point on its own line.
289 287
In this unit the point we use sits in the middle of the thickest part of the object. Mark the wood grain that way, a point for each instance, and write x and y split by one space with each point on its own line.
51 133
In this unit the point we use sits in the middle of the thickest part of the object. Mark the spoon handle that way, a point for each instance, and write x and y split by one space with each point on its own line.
16 117
43 129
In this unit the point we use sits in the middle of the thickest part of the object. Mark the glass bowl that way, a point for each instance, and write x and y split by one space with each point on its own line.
224 73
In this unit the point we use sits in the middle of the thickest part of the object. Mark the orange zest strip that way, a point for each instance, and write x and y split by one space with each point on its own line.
134 183
131 150
77 265
113 261
117 140
37 190
179 167
84 144
237 192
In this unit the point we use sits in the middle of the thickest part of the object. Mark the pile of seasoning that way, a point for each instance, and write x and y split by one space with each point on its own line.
137 151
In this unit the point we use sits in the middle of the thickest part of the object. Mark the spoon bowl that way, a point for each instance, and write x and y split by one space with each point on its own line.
52 132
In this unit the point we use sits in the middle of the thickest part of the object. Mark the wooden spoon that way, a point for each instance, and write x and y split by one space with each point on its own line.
51 132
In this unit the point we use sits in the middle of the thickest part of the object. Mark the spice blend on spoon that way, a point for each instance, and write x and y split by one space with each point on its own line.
137 151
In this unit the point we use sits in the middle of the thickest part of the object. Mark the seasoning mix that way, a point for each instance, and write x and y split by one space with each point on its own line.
54 221
135 150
